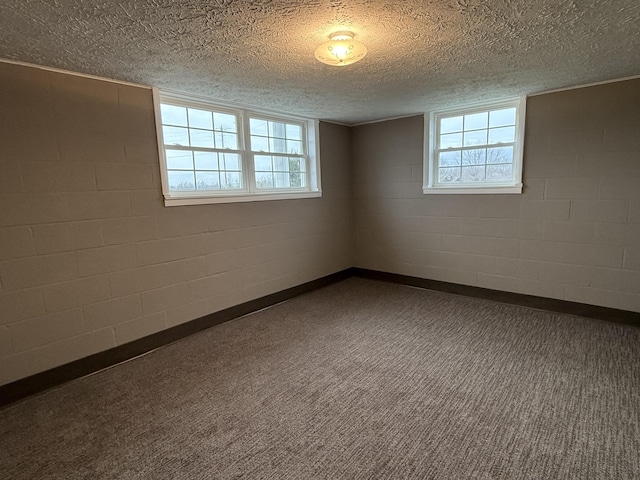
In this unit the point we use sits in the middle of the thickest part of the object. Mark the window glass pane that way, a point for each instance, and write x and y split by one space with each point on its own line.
500 155
294 132
297 165
173 115
259 144
231 161
499 118
282 180
179 159
280 164
175 136
449 159
225 122
449 174
262 163
499 173
206 160
476 137
277 145
294 146
201 138
258 127
451 124
226 140
451 140
230 140
200 119
231 180
502 135
277 129
264 180
298 180
474 157
473 173
297 177
218 139
180 180
476 121
207 180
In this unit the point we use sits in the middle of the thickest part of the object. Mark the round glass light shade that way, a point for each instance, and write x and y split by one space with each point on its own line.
341 50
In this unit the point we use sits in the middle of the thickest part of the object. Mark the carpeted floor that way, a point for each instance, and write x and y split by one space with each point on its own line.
358 380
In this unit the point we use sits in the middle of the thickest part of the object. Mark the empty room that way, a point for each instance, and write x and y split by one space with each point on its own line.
322 239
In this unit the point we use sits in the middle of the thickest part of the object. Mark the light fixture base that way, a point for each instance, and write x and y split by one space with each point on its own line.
342 35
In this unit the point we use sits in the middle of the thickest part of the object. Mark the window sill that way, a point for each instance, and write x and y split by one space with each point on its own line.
254 197
472 190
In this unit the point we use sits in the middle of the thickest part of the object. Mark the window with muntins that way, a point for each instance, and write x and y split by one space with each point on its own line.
211 153
476 149
278 151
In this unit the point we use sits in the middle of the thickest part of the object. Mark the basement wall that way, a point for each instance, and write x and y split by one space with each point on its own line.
574 233
91 259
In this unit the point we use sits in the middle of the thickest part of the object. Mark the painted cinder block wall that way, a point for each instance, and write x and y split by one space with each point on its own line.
89 256
91 259
574 233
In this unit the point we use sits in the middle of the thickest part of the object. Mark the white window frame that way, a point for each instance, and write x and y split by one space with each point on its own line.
249 192
432 135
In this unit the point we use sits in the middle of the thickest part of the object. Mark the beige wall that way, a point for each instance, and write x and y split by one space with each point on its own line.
573 234
91 259
89 256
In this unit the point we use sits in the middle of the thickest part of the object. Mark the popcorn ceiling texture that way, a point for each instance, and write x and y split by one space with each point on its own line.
422 54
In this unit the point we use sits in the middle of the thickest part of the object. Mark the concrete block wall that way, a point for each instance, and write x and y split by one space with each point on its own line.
91 259
573 234
89 256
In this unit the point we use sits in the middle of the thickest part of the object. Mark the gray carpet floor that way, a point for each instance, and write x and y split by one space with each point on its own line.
357 380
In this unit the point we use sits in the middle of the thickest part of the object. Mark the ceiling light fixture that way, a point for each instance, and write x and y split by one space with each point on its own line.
341 50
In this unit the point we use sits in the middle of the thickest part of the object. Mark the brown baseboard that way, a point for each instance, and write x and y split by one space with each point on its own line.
40 382
541 303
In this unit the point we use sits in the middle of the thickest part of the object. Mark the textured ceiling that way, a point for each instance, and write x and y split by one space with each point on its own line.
422 54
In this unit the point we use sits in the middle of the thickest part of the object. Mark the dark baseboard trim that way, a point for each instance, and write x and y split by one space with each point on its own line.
540 303
40 382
